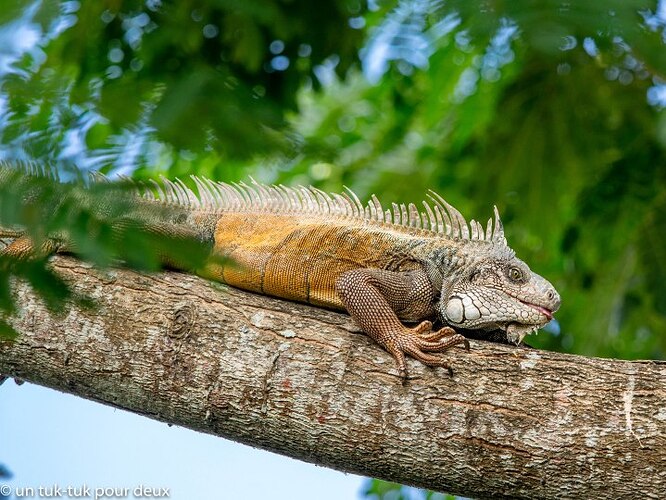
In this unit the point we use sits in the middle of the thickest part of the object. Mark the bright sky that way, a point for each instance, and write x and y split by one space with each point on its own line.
49 438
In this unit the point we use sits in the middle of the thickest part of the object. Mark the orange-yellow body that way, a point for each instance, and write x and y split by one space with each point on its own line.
299 257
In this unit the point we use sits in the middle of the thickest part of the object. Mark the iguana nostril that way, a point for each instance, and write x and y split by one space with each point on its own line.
554 297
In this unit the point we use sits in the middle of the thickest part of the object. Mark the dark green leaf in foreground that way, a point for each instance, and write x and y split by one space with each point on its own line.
102 222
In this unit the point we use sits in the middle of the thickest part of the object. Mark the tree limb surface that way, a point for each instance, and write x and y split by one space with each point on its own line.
302 381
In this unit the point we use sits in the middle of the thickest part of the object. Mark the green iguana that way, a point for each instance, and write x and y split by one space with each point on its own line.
381 266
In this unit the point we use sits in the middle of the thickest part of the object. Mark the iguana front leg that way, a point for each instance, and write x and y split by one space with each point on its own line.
375 298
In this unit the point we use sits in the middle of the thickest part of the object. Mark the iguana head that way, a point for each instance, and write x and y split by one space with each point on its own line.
495 289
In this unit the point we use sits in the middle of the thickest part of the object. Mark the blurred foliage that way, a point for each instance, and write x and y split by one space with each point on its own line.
196 74
100 222
5 474
375 489
553 110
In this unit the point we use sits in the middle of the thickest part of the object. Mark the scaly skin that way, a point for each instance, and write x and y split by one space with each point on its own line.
382 267
382 274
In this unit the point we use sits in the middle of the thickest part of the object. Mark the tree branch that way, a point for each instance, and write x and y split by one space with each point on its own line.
303 382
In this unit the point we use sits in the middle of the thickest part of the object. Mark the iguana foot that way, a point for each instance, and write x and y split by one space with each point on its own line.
414 342
424 329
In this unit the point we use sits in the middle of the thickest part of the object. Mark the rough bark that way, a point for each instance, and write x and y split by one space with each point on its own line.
304 382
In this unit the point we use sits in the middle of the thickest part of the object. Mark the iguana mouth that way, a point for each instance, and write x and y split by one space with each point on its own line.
543 310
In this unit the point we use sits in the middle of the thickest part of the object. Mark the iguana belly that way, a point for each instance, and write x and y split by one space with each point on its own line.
297 257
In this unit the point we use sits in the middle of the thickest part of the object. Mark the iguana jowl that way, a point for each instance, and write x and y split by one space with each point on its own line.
382 266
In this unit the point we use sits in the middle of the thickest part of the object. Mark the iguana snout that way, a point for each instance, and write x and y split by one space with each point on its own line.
500 293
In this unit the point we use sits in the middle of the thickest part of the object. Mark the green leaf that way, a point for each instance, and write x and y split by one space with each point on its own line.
7 331
98 136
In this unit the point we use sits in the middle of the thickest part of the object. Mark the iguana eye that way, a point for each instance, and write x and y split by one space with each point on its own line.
515 274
